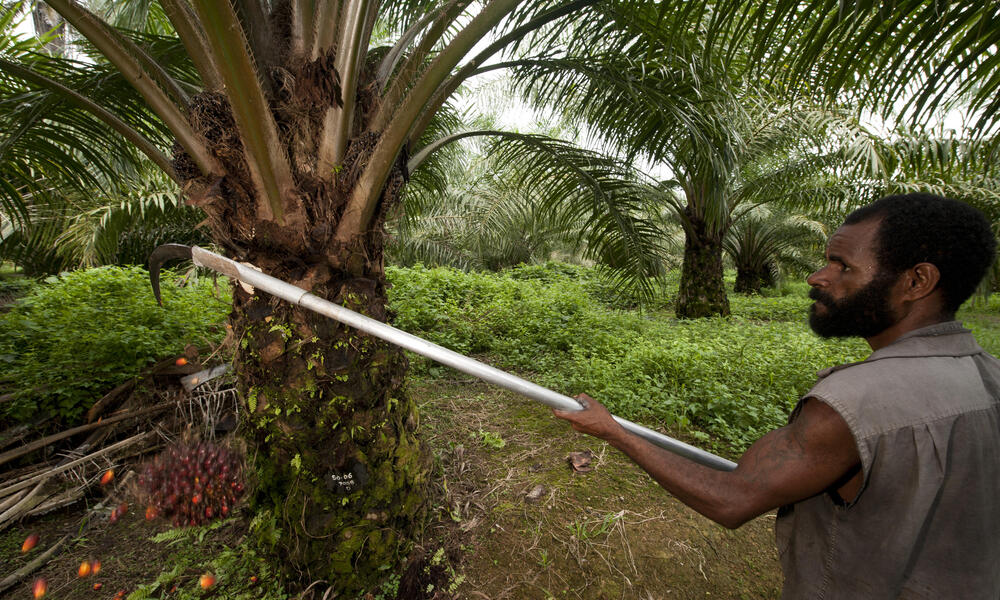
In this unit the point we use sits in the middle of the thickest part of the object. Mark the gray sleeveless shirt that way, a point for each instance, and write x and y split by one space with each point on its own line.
925 414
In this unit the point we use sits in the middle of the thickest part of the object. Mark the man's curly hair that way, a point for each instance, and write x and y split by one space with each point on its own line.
951 235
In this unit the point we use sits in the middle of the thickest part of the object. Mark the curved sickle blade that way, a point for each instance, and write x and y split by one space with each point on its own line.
161 255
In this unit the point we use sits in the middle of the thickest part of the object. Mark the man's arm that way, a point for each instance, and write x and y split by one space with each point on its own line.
795 462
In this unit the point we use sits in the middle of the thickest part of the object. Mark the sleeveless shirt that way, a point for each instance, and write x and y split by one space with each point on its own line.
924 412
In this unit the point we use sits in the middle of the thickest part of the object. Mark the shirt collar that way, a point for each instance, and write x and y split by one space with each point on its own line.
949 338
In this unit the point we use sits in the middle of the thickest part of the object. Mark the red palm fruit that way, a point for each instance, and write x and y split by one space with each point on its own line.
97 586
29 542
180 362
84 569
39 588
118 512
95 567
150 512
253 580
208 512
206 581
196 499
108 477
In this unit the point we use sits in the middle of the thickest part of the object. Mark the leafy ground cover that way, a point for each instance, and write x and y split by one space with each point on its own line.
730 380
66 341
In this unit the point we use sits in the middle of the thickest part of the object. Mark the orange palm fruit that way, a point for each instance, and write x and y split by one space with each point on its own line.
180 362
84 569
39 588
29 542
206 581
108 477
95 567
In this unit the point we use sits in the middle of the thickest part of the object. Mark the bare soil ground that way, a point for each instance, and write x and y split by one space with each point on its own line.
535 528
511 520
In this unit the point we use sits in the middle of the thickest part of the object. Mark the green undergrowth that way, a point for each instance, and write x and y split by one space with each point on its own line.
727 380
237 572
72 338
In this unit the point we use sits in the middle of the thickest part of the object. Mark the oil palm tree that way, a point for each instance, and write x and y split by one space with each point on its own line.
765 243
740 55
519 198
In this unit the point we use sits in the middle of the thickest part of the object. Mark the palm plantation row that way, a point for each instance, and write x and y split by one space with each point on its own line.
296 130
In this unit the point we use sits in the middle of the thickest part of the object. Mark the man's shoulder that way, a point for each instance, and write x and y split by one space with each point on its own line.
903 391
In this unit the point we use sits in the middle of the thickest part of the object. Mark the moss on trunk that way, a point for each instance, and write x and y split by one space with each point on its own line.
702 291
751 281
341 475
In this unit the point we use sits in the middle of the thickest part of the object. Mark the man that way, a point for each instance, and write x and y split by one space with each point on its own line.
888 474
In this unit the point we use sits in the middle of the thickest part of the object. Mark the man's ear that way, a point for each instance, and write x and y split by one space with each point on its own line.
920 281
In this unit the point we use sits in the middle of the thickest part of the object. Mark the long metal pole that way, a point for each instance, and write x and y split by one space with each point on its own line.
470 366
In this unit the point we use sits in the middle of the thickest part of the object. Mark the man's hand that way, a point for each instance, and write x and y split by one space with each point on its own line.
593 420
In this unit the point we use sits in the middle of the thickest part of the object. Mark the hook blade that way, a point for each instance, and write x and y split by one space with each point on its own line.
161 255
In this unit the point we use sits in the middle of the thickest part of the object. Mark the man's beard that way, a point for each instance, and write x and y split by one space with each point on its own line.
865 314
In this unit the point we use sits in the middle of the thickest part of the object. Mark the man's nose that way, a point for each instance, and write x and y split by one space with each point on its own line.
817 279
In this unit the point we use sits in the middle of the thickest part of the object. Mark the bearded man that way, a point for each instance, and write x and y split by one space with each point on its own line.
887 477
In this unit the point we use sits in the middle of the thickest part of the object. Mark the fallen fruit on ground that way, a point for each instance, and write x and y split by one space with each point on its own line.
118 512
29 542
39 588
108 477
206 581
84 569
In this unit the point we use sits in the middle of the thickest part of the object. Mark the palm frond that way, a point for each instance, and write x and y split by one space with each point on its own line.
604 200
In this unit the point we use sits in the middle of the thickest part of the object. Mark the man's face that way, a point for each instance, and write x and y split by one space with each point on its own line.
852 294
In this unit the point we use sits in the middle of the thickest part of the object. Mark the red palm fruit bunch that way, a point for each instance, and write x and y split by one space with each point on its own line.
192 483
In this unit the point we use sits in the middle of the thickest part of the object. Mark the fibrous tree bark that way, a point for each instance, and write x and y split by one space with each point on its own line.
702 292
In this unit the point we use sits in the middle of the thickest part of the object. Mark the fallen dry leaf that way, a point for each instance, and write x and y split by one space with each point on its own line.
535 493
580 461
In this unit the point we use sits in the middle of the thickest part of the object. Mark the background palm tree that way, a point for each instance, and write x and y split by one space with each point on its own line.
522 198
765 244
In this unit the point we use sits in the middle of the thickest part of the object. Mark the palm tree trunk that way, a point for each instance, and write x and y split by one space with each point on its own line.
340 474
751 281
702 291
45 20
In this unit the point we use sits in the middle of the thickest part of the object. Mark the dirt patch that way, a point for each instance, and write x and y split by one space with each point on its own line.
531 527
127 555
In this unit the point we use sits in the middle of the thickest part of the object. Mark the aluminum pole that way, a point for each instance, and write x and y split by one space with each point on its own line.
470 366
